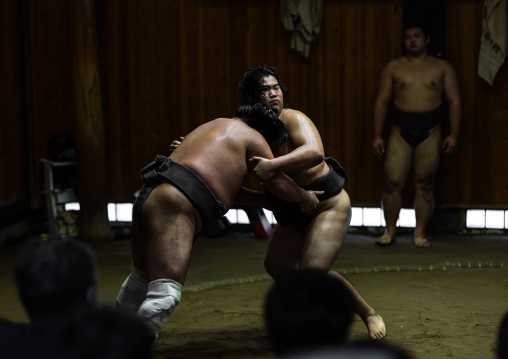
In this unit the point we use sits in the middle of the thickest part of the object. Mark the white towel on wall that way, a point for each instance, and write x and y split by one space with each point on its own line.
494 39
303 18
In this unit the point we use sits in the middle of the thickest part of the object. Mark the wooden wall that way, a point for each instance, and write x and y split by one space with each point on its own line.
14 162
477 174
169 65
178 64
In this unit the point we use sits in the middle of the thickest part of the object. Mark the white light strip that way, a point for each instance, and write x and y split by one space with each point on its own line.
112 212
124 212
356 217
232 216
72 206
269 216
407 218
360 216
475 218
242 217
494 219
371 217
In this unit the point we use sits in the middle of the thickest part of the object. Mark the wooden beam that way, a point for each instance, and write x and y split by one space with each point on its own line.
89 128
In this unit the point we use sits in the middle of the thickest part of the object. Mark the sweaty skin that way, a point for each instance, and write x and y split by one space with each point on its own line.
301 158
218 153
212 161
416 82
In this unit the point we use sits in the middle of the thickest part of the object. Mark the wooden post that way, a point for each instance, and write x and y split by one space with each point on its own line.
88 128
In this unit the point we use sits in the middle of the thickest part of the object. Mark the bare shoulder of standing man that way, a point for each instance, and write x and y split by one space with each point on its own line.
311 239
416 85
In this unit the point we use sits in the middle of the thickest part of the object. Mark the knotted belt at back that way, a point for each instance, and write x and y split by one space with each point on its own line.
164 169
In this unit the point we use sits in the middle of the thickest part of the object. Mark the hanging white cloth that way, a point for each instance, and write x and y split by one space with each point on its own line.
494 39
303 18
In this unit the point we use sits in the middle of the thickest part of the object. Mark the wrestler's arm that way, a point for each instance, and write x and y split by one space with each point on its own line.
381 104
452 94
250 197
175 144
281 185
286 189
308 149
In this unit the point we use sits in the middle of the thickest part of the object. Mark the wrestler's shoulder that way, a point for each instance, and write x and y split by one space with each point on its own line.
396 62
393 66
222 120
232 123
290 113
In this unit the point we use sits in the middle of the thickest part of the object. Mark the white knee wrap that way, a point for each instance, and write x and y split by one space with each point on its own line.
162 297
133 291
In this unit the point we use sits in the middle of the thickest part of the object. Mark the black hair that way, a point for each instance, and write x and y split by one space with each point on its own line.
306 308
250 85
55 277
262 119
412 24
105 333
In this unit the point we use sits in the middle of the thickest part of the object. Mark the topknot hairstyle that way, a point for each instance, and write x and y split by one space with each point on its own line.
262 119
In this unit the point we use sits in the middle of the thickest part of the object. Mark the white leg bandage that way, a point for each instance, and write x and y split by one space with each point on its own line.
133 291
162 297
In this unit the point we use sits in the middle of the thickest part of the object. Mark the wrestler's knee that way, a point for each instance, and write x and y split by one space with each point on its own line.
425 185
425 193
427 196
393 183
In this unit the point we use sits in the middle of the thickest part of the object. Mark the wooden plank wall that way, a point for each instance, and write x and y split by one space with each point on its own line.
477 174
14 181
169 65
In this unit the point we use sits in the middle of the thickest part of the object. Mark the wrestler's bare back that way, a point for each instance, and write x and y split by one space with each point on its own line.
218 153
418 85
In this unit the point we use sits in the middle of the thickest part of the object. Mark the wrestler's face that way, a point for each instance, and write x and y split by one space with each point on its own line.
415 41
271 96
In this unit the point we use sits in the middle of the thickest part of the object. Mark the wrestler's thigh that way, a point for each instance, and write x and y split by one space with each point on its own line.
398 157
426 157
138 246
169 224
283 250
326 233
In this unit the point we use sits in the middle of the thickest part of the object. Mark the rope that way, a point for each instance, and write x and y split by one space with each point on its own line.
225 282
447 266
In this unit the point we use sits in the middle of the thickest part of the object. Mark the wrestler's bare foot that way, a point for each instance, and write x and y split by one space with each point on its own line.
376 326
421 242
385 240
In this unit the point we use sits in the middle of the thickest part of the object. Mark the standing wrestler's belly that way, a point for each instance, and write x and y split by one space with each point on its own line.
422 98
